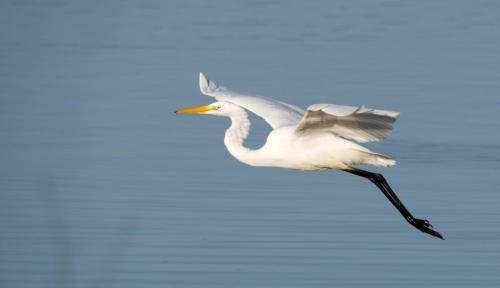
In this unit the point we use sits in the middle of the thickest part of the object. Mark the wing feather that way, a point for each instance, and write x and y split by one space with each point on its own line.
357 123
275 113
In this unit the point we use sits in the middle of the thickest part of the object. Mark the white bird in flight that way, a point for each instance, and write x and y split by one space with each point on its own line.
315 139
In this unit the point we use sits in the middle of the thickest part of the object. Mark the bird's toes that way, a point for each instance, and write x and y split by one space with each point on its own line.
426 227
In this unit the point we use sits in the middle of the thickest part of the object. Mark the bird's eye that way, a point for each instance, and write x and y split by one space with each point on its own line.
218 107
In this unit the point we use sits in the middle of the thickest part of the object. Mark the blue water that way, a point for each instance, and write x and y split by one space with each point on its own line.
101 185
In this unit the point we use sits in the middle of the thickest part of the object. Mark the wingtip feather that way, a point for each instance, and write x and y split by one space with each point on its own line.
207 86
204 83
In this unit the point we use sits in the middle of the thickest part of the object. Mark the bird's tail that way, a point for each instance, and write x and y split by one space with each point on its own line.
379 160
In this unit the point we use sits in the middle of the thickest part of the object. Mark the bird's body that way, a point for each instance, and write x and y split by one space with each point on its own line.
316 139
285 148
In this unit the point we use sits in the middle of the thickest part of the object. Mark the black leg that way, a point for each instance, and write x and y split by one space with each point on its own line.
379 180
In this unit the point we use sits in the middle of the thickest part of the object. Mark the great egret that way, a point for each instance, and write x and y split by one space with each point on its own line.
315 139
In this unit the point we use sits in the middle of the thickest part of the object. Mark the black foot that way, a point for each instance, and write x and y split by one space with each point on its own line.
424 226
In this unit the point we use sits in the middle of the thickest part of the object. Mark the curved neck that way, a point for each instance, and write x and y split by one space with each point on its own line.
236 135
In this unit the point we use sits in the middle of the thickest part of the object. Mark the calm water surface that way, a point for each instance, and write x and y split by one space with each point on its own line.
101 185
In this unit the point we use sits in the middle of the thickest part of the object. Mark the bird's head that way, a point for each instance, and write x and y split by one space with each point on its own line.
217 108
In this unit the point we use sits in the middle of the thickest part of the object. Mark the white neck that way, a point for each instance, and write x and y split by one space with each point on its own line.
236 135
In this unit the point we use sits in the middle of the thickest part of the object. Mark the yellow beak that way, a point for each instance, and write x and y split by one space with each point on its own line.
199 109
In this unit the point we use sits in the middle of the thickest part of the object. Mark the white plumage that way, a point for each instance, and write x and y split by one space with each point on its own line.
307 140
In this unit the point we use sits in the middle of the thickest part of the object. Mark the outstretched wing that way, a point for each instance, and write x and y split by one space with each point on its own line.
357 123
275 113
